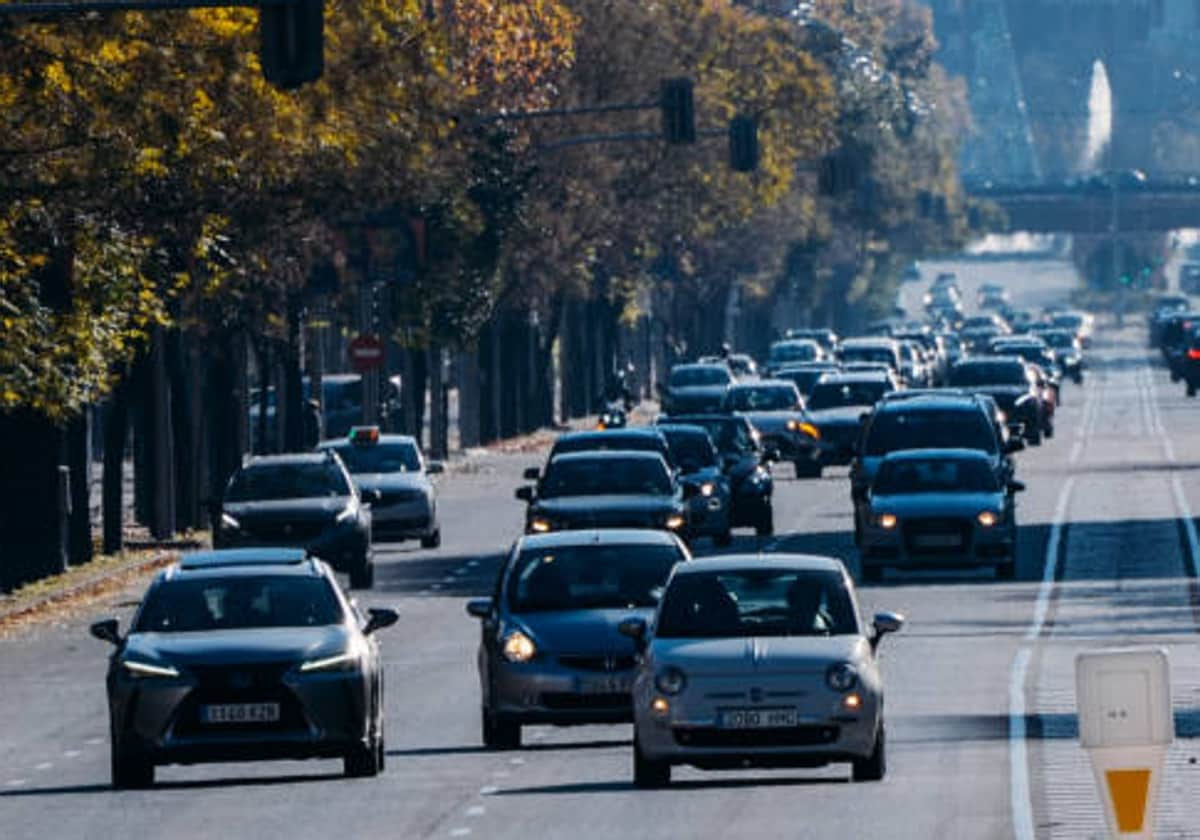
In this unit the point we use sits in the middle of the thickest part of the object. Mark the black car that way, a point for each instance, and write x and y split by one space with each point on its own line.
696 388
1068 352
747 464
824 336
605 490
927 420
837 405
1008 380
637 439
1190 363
300 500
1173 340
805 376
243 655
549 651
1034 350
699 464
776 409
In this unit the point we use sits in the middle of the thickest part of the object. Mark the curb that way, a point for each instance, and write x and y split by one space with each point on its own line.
91 582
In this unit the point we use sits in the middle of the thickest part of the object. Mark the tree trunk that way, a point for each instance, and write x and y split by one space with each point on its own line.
78 458
33 524
116 434
438 431
470 405
161 448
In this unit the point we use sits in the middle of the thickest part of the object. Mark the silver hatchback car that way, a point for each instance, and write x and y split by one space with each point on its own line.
550 651
758 661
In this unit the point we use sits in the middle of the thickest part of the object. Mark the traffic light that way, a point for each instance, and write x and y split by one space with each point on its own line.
292 50
743 144
677 101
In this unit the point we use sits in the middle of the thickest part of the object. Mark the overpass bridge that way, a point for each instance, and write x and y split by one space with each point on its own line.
1089 209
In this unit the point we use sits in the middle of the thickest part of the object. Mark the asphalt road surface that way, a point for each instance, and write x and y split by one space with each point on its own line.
980 700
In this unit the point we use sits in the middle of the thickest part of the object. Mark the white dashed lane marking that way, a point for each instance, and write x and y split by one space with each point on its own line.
15 782
489 790
460 832
44 766
476 811
71 753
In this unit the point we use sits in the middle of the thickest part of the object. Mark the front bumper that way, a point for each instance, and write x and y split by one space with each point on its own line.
938 543
709 516
563 690
321 715
403 520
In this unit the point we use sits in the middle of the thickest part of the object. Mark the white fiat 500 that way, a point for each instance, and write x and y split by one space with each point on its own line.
758 661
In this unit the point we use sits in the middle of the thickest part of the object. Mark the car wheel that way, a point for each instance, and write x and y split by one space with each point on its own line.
723 540
648 773
362 762
381 748
874 767
766 524
131 770
1191 390
362 575
434 540
1049 432
1035 437
808 469
500 732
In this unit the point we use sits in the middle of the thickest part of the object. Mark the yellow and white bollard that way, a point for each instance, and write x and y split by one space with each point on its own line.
1126 724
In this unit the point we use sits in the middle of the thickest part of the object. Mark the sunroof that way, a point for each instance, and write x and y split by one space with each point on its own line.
243 557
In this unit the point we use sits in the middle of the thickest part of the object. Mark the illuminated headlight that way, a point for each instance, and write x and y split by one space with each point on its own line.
541 526
347 515
707 488
143 670
347 661
887 521
1002 417
674 521
670 681
987 518
518 647
841 677
229 522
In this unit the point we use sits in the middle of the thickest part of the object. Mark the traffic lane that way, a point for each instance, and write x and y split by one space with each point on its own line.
1032 284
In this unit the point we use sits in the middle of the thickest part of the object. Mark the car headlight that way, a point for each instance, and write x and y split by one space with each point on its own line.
675 521
541 525
670 680
707 488
987 518
143 670
347 515
887 521
518 647
345 661
841 677
229 522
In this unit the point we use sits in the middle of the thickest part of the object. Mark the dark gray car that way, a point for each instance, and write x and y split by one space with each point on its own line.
550 651
696 388
243 655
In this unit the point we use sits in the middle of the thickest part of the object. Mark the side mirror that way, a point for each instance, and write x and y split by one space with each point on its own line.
379 618
532 474
884 623
108 631
435 468
479 608
634 628
1016 486
525 494
1014 445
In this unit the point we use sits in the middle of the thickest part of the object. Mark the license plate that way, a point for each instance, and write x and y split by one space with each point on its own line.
607 685
241 713
756 718
937 541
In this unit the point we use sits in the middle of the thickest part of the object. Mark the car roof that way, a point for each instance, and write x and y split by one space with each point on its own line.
946 454
287 459
707 365
693 419
330 443
682 429
243 562
869 341
745 562
608 454
855 377
609 434
930 400
763 383
598 536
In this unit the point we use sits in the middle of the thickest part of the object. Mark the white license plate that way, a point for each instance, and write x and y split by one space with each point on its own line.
240 713
606 685
937 541
756 718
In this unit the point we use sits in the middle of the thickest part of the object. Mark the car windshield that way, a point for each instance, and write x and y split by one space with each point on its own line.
239 602
763 398
843 394
804 379
894 431
1059 340
935 475
272 482
606 477
1069 321
607 443
794 351
696 376
380 458
730 435
868 354
974 374
691 451
590 577
756 602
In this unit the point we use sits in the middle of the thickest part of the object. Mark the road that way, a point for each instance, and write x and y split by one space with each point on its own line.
982 732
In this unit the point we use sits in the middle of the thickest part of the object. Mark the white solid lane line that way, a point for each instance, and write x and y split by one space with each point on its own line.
1050 569
1189 526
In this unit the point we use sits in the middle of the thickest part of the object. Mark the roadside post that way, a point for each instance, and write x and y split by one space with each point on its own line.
1125 723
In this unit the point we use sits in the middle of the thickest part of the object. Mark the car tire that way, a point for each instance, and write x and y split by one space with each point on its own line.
874 767
766 524
1048 432
434 540
131 770
500 732
872 574
808 469
1035 438
362 575
362 762
723 540
1191 390
648 773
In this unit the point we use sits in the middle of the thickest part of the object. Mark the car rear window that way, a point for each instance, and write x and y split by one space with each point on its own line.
379 457
844 394
239 602
900 430
698 376
590 577
974 374
606 477
691 451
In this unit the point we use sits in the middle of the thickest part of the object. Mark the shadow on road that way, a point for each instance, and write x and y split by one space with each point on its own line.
192 784
687 784
421 752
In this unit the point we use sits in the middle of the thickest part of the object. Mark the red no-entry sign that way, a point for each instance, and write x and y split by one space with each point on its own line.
367 352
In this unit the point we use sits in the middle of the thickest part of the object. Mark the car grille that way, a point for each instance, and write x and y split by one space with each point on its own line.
561 701
391 497
937 535
606 664
290 531
241 683
790 736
